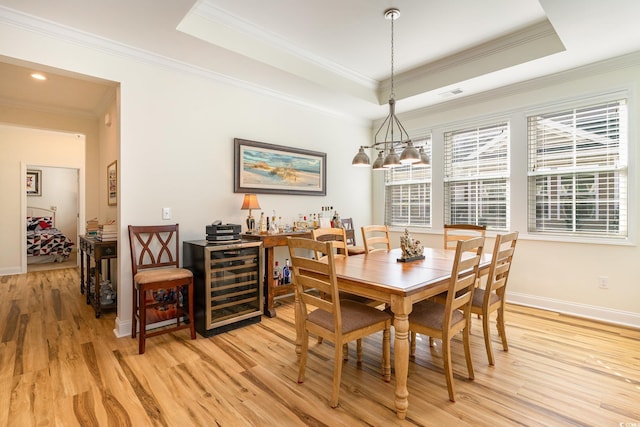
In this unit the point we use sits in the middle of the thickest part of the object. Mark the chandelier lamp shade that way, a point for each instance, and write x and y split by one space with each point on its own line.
391 135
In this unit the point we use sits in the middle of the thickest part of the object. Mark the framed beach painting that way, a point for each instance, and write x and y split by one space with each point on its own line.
276 169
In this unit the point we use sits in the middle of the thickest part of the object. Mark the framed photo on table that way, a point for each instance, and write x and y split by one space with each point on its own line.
34 182
267 168
112 183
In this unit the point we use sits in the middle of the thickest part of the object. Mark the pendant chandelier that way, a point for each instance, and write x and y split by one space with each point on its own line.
391 135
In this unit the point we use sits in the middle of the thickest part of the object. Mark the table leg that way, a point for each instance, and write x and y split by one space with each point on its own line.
297 307
96 297
88 262
81 272
401 308
269 308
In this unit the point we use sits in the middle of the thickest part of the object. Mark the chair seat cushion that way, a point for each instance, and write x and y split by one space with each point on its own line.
355 250
161 275
431 314
478 297
354 316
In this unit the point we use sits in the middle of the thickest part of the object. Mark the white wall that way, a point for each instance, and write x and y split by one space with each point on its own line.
559 275
176 144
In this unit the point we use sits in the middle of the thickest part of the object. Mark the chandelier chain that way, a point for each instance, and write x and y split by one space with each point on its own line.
386 146
393 95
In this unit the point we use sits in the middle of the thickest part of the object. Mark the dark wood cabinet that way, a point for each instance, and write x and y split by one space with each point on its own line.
227 284
90 283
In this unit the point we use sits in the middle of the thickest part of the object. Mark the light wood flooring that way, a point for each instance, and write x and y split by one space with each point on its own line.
61 366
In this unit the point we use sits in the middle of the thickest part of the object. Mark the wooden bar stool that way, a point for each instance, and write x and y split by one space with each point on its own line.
158 282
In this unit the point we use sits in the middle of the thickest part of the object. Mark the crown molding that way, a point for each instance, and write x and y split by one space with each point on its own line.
528 44
608 65
81 38
213 13
11 103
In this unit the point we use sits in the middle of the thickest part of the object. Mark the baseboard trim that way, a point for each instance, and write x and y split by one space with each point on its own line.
603 314
10 271
122 329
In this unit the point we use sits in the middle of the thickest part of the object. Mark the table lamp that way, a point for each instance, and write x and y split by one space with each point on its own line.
250 202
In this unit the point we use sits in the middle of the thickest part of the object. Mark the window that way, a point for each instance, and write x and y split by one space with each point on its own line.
577 173
476 176
408 193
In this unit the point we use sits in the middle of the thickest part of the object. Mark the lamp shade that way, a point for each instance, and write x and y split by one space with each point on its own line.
392 160
424 159
410 154
361 159
250 202
377 164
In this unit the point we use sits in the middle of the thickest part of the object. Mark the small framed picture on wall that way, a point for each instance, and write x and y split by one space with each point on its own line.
112 183
34 182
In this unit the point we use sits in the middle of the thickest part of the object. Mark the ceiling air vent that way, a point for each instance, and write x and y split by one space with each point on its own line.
452 92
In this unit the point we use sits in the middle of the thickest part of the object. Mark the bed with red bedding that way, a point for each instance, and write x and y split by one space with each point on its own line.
45 243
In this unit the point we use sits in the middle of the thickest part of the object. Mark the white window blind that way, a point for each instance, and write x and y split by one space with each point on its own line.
577 171
408 193
476 176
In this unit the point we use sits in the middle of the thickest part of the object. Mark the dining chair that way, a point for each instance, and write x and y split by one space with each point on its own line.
338 239
374 236
445 321
158 282
492 297
455 232
338 321
352 247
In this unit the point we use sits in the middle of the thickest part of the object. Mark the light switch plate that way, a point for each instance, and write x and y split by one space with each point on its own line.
166 213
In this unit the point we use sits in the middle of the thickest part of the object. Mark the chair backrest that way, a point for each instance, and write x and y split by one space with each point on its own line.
503 251
313 278
337 237
463 278
347 224
154 246
374 236
455 232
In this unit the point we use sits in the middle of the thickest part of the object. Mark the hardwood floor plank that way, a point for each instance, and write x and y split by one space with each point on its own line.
11 324
59 365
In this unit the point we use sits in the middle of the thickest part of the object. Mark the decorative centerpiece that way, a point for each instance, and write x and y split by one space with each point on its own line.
411 249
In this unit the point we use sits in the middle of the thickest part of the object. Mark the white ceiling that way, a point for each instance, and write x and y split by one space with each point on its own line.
335 55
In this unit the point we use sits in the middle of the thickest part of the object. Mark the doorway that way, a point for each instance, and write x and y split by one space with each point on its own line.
60 201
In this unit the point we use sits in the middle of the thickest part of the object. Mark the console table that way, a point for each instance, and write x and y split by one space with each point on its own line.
99 251
270 241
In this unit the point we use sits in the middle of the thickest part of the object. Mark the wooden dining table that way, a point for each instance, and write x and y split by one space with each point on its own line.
380 276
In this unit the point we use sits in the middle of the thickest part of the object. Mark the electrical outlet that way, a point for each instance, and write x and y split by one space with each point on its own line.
166 213
603 282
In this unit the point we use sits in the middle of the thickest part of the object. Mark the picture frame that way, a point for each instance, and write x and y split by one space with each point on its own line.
112 183
34 182
276 169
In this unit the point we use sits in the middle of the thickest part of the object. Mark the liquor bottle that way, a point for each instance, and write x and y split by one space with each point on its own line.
276 274
286 273
263 223
337 222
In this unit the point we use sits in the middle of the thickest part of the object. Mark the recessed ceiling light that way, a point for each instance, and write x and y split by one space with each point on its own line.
39 76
